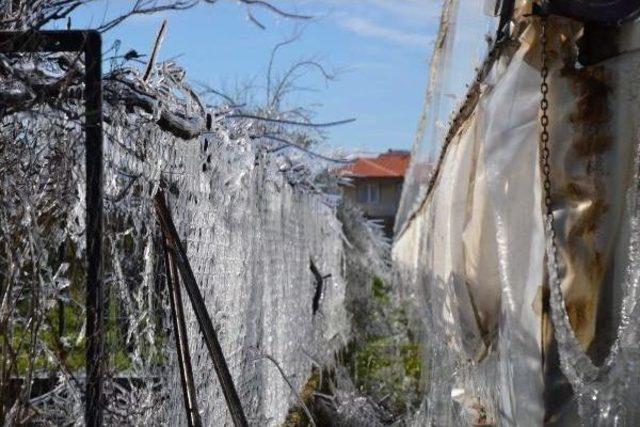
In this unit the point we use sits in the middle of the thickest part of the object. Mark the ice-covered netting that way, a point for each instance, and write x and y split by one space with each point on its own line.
41 228
251 222
466 31
250 237
507 342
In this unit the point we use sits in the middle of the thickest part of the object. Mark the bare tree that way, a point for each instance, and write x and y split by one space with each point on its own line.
278 124
35 14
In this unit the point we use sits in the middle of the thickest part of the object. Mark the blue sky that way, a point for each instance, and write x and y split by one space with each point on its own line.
380 49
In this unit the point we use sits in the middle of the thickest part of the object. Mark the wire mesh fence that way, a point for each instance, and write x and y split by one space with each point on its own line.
250 229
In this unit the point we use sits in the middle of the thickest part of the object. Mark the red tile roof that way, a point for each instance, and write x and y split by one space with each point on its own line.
392 164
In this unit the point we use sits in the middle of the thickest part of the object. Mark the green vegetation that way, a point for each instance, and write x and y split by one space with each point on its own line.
382 361
297 416
59 335
380 291
63 347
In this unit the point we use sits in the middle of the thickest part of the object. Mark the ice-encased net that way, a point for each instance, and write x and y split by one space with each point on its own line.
250 229
607 394
465 34
481 231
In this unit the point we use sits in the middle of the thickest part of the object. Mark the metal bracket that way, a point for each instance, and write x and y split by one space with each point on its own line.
90 44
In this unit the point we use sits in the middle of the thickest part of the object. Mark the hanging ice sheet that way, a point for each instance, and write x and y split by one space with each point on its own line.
466 31
475 250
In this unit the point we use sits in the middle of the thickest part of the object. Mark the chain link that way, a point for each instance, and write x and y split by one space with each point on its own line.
578 363
544 146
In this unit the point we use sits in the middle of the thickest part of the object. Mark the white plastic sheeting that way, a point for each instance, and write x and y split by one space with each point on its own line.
465 34
473 255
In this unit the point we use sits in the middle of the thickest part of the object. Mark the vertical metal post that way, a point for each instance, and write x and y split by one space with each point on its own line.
94 291
90 44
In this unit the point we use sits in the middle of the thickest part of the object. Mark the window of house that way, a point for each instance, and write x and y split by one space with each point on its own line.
398 191
368 193
374 193
363 193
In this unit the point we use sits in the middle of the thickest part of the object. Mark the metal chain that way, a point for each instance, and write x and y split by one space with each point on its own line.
544 146
587 371
580 364
552 252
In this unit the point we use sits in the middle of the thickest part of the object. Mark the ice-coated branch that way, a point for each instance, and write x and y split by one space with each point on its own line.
260 356
290 122
156 49
289 144
36 14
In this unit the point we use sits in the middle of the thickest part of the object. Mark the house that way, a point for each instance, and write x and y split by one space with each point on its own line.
376 185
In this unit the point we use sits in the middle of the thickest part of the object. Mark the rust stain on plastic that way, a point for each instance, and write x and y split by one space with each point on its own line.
586 195
581 313
588 145
591 116
587 223
592 88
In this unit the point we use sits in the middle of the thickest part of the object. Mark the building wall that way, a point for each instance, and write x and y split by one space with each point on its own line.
389 196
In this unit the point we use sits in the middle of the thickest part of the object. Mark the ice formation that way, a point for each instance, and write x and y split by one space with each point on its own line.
511 339
250 228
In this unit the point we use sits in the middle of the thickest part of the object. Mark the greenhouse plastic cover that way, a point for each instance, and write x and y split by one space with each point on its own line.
466 31
472 254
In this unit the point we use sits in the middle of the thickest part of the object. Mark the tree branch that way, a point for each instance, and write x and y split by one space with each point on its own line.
289 144
290 122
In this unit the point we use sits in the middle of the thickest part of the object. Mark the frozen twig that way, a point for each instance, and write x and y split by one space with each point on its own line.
290 122
284 376
154 52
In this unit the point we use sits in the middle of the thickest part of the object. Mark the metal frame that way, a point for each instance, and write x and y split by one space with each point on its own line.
606 13
90 44
611 12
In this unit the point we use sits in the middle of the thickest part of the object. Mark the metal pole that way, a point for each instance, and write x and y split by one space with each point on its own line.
93 163
90 43
200 309
182 345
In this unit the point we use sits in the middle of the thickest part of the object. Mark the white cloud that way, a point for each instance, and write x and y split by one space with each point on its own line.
367 28
411 23
413 11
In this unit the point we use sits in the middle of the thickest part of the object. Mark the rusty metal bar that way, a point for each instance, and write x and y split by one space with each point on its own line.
200 309
182 345
90 44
